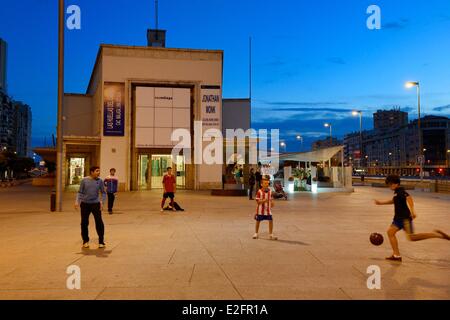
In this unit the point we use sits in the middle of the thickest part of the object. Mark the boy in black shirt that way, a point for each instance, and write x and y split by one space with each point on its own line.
403 218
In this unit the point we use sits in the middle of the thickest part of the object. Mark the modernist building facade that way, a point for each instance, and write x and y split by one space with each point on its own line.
136 98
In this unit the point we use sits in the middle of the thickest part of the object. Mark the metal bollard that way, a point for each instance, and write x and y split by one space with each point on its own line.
53 201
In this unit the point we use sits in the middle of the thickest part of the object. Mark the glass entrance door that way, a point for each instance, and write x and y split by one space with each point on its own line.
159 168
76 170
152 168
143 172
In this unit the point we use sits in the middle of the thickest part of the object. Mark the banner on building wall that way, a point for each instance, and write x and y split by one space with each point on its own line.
114 109
211 107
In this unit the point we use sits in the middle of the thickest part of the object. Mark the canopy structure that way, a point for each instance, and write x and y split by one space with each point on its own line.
335 179
312 156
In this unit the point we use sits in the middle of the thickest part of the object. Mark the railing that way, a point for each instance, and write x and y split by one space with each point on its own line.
429 184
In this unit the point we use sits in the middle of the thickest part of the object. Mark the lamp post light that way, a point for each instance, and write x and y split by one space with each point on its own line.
59 134
361 153
283 144
326 125
299 137
411 84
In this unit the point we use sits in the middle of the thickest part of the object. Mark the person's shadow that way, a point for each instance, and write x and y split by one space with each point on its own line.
99 253
299 243
412 284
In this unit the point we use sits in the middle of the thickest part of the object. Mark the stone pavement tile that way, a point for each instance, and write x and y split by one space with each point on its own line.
171 292
130 275
197 256
36 277
208 275
262 292
50 294
274 275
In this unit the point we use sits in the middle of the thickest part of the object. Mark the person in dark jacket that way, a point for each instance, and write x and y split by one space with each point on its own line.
258 178
88 199
404 214
251 183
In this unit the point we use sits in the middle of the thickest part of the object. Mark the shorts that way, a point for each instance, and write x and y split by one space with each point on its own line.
170 195
262 217
405 224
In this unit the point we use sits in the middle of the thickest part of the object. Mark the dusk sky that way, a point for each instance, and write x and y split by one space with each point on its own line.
313 61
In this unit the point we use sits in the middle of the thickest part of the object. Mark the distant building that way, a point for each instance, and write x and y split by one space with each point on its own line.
3 60
326 143
396 149
387 119
22 129
7 138
15 126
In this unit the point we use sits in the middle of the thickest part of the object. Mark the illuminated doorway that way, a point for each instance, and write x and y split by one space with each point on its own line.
151 169
76 170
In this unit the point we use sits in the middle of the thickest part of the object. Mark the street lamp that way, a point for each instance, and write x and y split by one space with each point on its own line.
283 144
326 125
411 84
356 113
299 137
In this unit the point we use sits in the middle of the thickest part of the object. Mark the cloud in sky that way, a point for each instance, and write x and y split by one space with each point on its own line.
301 103
442 108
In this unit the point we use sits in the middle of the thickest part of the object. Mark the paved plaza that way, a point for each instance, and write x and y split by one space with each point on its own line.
207 252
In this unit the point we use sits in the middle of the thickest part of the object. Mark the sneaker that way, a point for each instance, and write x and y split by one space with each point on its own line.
272 237
394 258
110 212
86 245
255 236
162 210
173 209
101 245
443 234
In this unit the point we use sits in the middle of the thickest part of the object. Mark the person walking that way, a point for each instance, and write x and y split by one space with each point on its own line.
111 184
251 183
88 200
258 178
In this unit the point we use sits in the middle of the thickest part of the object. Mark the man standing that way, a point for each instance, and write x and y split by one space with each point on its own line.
258 178
251 182
169 184
111 184
88 200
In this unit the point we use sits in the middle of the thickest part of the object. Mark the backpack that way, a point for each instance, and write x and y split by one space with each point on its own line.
177 207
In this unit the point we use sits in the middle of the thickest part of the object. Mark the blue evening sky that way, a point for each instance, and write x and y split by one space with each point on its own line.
313 61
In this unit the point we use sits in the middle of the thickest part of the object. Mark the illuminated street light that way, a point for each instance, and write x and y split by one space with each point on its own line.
359 113
326 125
299 137
411 84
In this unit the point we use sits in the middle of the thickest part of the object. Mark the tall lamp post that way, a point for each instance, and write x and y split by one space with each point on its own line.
283 144
299 137
416 84
59 142
326 125
361 153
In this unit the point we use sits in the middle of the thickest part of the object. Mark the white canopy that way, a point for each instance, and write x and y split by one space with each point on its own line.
320 155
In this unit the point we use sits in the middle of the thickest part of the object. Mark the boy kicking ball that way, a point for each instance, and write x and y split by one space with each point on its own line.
403 218
264 207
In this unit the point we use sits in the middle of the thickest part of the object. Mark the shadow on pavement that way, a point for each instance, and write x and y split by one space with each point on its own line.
99 253
299 243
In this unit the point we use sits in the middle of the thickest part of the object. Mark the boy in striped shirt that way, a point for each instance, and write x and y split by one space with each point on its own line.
264 200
